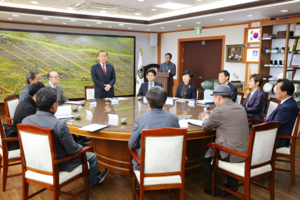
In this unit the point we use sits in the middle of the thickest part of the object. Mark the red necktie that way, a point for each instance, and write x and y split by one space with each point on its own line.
273 112
104 69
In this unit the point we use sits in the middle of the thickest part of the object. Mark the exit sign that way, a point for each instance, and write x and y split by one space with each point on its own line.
198 31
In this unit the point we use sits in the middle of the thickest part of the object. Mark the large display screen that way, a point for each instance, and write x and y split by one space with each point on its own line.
70 55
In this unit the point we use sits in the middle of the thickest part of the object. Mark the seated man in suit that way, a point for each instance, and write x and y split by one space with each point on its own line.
231 124
224 80
33 76
53 82
286 112
46 100
151 75
155 118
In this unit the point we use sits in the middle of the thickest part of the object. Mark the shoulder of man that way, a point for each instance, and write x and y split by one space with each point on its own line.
48 84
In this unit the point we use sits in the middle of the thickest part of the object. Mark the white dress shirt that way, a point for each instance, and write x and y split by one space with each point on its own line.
51 85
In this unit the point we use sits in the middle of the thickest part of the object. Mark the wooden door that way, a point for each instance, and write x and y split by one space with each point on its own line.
203 59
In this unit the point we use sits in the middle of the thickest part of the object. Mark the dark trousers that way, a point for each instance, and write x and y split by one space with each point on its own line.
206 166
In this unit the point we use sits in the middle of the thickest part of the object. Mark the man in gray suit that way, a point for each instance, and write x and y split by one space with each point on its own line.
169 67
231 124
53 82
65 145
155 118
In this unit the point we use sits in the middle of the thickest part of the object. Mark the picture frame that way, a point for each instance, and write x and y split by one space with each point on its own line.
298 45
252 35
297 30
295 61
234 53
251 55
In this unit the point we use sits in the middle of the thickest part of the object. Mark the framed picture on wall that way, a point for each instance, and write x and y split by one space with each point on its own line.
252 55
234 53
295 61
252 36
297 30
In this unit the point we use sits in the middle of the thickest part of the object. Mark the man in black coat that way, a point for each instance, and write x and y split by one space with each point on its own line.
103 76
224 80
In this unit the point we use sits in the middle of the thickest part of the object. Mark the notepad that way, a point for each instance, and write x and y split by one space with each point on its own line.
195 122
94 127
64 112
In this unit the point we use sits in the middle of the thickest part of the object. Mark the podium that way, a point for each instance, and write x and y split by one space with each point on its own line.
161 77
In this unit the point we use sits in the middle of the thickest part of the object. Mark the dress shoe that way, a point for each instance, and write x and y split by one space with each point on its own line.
233 189
217 192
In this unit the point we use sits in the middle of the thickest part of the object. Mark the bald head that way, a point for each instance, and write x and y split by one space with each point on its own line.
53 78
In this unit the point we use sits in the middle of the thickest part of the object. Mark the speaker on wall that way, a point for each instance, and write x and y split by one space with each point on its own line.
153 39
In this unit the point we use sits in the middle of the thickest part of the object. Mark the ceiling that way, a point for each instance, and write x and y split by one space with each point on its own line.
121 14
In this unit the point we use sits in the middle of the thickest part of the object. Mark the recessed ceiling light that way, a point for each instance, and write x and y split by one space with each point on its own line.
73 20
148 29
221 19
140 0
16 15
109 26
173 6
103 11
198 0
137 13
129 28
178 25
70 8
284 10
88 25
65 23
10 18
153 9
45 17
34 2
39 21
121 24
162 27
249 15
198 22
99 22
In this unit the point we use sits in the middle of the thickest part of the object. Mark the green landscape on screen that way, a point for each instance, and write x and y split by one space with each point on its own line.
71 56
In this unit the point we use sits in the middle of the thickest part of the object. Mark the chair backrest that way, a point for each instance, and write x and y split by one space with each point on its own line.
37 148
296 128
89 92
11 102
2 135
239 97
262 142
272 106
163 151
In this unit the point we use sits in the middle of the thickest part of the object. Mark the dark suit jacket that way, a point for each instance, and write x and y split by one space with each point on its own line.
63 139
171 67
155 118
100 79
256 105
24 109
60 93
144 88
233 91
286 114
191 93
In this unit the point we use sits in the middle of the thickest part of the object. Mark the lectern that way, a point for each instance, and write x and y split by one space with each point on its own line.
161 77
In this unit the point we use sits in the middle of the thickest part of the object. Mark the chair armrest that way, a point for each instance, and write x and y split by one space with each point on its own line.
9 118
10 139
67 158
135 155
286 136
255 120
230 151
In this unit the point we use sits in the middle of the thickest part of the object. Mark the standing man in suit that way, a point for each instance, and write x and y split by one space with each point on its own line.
224 80
156 98
53 82
231 124
286 111
103 76
169 67
151 75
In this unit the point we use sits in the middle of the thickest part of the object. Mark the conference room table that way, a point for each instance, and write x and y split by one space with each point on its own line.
110 144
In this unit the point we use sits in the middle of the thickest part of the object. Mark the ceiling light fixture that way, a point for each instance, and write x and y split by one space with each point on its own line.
137 13
162 27
88 25
198 22
221 19
10 18
129 28
121 24
140 0
45 17
39 21
172 5
109 26
148 29
179 25
153 9
99 22
70 8
103 11
65 23
249 15
16 15
73 20
284 10
34 2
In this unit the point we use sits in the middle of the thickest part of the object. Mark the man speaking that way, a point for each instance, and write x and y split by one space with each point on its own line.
103 76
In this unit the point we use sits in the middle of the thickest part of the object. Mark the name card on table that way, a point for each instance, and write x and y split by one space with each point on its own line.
191 103
169 101
89 115
113 119
93 104
145 100
114 101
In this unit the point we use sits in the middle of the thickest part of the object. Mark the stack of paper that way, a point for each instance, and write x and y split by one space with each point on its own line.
64 112
195 122
205 101
93 127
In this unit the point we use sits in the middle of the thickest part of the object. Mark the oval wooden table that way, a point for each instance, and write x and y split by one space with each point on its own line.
110 144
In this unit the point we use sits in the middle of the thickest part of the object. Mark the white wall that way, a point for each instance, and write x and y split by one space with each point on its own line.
233 35
142 39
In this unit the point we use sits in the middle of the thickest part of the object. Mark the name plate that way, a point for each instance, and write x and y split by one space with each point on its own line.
145 100
169 102
114 101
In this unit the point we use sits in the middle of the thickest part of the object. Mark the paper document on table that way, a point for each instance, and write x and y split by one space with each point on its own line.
64 112
93 127
113 116
183 123
89 115
73 102
205 101
114 122
195 122
122 98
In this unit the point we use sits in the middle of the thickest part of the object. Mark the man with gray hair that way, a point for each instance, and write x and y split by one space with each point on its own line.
53 82
33 76
231 124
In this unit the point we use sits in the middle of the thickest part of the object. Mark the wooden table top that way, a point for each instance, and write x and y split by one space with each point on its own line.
130 109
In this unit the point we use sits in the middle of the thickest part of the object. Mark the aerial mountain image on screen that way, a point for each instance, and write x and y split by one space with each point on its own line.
71 56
